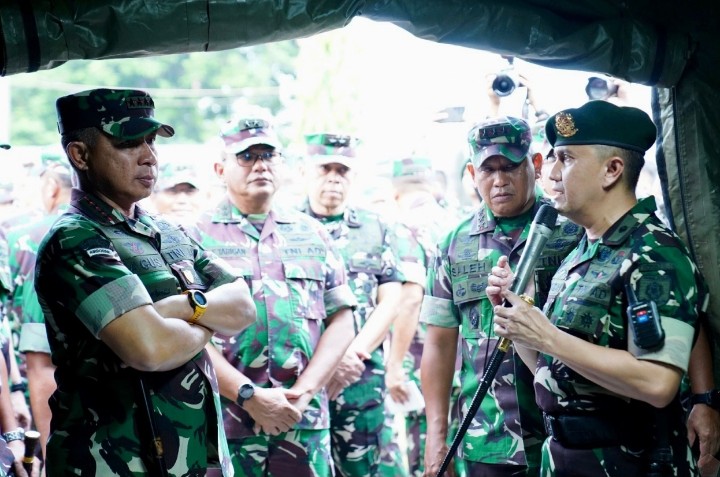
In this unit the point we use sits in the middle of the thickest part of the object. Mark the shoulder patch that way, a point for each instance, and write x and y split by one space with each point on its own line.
107 252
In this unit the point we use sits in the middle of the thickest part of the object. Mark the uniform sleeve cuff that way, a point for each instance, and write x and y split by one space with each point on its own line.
112 300
33 338
339 298
438 312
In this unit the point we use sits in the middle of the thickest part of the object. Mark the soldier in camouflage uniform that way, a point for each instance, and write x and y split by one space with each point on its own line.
505 435
273 374
24 240
362 434
11 449
127 319
424 222
609 398
178 196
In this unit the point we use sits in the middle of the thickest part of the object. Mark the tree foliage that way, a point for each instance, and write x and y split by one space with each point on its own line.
195 92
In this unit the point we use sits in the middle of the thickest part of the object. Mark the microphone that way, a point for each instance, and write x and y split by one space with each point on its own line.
540 231
31 440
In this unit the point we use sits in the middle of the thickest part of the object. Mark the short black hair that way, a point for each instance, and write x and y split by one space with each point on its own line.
634 162
88 136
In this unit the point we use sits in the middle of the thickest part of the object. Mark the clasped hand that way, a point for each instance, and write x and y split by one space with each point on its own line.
273 410
349 371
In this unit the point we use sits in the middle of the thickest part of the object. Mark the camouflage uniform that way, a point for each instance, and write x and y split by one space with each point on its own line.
507 429
99 422
6 456
24 307
588 300
362 433
6 290
297 279
414 259
363 438
424 224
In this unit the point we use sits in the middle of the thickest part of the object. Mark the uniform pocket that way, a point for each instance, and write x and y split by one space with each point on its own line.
305 280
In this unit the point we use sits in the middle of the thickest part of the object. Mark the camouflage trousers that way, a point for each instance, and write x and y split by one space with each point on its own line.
296 453
416 429
364 443
557 461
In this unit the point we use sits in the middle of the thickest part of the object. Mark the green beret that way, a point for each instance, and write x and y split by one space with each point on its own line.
121 113
603 123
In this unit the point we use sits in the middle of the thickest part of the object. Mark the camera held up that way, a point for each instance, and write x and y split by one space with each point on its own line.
505 83
598 88
506 80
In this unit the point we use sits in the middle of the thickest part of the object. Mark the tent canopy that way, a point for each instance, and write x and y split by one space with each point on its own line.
662 43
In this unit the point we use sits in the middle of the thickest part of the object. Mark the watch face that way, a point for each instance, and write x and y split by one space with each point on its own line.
246 391
200 298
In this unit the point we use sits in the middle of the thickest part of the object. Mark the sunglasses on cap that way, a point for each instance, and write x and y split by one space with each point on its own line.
336 141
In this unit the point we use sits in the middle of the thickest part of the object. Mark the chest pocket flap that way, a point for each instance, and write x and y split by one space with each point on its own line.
305 279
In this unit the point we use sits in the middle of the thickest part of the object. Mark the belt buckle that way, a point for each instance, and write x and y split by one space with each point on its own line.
550 425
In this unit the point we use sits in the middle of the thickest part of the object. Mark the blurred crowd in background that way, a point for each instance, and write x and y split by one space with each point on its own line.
187 183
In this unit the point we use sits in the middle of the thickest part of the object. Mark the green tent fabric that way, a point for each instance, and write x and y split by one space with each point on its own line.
666 44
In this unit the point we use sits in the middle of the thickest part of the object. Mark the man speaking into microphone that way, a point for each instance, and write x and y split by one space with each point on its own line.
623 310
505 435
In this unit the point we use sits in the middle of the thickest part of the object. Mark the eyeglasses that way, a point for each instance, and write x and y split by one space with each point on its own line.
248 159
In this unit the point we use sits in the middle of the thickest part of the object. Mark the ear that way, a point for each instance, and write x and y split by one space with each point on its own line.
471 169
78 153
537 162
54 187
614 168
220 170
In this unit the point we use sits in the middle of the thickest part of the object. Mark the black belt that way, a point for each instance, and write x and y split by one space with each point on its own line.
590 431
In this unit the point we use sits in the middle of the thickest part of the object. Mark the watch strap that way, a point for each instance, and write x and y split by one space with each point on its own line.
21 386
198 311
16 435
710 398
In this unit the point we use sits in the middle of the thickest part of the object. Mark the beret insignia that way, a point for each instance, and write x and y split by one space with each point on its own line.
565 124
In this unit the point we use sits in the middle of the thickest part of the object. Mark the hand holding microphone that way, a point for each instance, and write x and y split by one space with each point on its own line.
540 232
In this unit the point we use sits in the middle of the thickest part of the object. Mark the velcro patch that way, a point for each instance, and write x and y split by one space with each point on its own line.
101 251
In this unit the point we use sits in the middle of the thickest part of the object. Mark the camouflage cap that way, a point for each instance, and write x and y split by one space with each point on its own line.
240 134
171 174
415 167
121 113
602 123
53 159
325 148
504 136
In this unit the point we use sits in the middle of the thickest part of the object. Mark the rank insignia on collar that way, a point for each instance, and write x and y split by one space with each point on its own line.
565 125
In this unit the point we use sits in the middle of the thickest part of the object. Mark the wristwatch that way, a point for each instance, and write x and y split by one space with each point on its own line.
16 435
710 398
19 386
245 392
198 302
